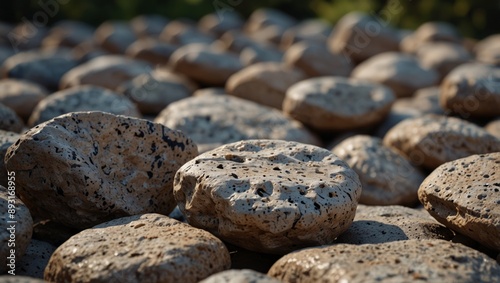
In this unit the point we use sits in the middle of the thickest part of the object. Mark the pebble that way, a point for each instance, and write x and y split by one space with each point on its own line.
430 32
6 140
142 248
148 25
487 50
184 32
151 50
443 57
310 30
109 166
67 33
216 24
9 120
21 96
35 259
19 279
240 276
114 36
268 196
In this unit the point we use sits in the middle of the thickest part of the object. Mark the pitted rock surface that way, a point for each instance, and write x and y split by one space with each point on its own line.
432 140
464 195
386 176
402 261
382 224
82 98
401 72
9 121
240 276
264 83
23 227
267 195
21 96
103 167
143 248
35 259
6 140
337 103
472 89
224 119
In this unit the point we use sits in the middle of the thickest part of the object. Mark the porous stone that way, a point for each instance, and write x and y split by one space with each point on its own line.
82 98
141 248
114 36
6 140
108 71
225 119
15 237
35 259
269 196
432 140
401 261
21 96
42 67
472 89
464 195
488 50
264 83
493 127
240 276
337 103
316 60
402 73
19 279
387 177
151 50
9 121
107 167
154 91
430 32
382 224
443 57
205 65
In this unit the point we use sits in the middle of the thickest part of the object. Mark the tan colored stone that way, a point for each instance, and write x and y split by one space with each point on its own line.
268 195
337 103
151 50
264 83
430 32
142 248
402 261
387 177
220 22
488 50
212 121
264 18
464 195
310 30
432 140
21 96
103 167
114 36
35 259
493 127
240 276
19 279
442 56
9 121
184 32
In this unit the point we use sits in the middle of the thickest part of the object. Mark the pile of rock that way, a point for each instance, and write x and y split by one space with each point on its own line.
265 150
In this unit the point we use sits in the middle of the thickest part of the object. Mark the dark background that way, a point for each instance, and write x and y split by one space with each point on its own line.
474 18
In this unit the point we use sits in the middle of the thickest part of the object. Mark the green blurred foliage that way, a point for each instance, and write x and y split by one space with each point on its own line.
474 18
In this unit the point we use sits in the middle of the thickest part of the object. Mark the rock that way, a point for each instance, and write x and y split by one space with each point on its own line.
52 232
225 119
430 32
265 18
67 33
19 279
268 196
25 36
154 91
442 57
108 71
151 50
82 98
35 259
402 261
487 50
87 51
110 166
148 25
432 140
401 72
140 248
316 60
210 91
6 140
472 90
264 83
255 54
383 224
387 177
310 30
236 41
354 37
9 121
337 103
220 22
240 276
493 127
205 65
181 33
114 36
5 53
42 67
15 237
21 96
464 195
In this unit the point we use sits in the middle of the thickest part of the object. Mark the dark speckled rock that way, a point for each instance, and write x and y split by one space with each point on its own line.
36 258
106 166
9 121
6 140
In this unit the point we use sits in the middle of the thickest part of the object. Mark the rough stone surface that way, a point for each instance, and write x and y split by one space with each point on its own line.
432 140
402 73
107 71
382 224
82 98
154 91
6 140
143 248
240 276
464 195
35 259
268 195
224 119
472 89
493 127
337 103
23 227
9 121
264 83
19 279
387 177
402 261
107 166
21 96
